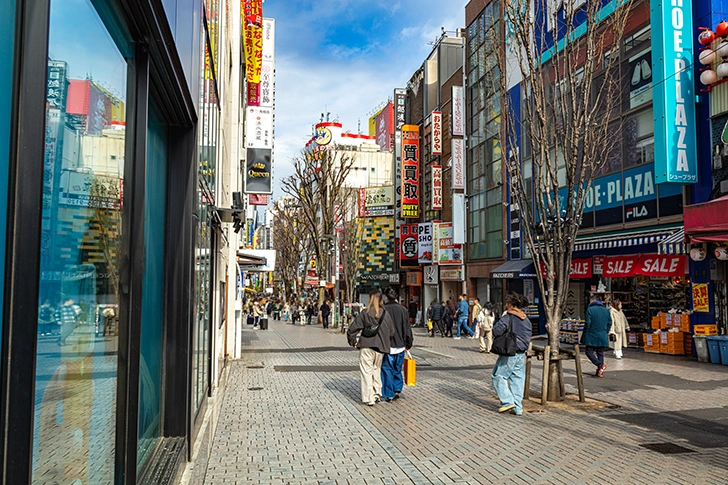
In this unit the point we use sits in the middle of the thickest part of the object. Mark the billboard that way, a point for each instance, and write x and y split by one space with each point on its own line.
411 171
458 111
253 38
267 69
376 201
436 148
674 97
458 163
258 199
384 129
424 242
436 188
258 171
445 252
408 244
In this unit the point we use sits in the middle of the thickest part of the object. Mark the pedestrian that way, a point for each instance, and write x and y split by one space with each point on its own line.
257 313
371 349
401 341
286 311
413 307
486 319
448 316
325 312
46 315
620 327
597 324
277 310
309 312
474 326
462 316
436 317
509 373
66 318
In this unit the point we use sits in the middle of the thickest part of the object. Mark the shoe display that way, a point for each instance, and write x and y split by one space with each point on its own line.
637 74
646 70
503 409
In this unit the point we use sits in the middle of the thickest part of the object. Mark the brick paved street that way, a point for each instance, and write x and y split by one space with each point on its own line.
291 414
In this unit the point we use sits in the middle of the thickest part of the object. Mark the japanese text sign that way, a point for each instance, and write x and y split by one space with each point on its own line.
444 251
436 187
436 133
408 243
701 301
458 163
458 111
411 171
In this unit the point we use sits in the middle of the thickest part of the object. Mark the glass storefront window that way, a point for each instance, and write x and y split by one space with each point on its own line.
76 369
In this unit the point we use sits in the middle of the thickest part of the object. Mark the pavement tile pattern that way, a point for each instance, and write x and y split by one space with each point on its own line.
309 427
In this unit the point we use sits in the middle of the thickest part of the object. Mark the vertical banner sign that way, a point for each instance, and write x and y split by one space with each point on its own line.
424 243
701 301
436 133
267 70
436 187
253 38
458 218
411 171
458 111
399 119
674 99
458 163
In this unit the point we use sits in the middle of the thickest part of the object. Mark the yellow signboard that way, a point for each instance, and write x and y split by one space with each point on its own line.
701 301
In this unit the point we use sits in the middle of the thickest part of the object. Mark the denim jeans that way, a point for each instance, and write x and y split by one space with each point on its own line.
596 355
509 377
392 380
463 323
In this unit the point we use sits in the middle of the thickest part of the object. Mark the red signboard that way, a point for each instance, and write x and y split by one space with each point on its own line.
411 171
436 187
581 268
385 128
436 133
258 199
664 265
408 234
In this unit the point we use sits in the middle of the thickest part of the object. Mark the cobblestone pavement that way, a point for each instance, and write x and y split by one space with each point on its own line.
292 414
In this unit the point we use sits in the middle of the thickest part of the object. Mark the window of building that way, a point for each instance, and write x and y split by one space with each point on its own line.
638 138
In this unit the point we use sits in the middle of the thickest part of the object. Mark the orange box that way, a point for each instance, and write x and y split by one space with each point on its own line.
663 320
652 343
655 323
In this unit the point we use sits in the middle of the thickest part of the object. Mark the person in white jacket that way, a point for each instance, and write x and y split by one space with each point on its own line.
486 319
620 327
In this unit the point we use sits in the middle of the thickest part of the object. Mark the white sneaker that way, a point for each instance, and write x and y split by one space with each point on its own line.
646 70
456 338
637 74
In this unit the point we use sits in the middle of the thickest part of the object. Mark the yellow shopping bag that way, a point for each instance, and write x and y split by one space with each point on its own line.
429 325
410 370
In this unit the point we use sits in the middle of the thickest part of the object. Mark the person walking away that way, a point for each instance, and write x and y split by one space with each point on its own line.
401 340
436 317
486 319
509 373
66 315
371 349
620 327
309 312
286 311
448 316
257 313
46 315
325 312
413 306
595 337
462 316
474 324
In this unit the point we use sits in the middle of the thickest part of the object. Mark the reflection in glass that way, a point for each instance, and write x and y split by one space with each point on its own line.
74 433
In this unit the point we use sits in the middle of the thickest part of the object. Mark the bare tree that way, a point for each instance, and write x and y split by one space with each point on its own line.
293 244
318 185
570 94
351 242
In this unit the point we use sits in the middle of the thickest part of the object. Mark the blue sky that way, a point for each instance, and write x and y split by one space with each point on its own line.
346 57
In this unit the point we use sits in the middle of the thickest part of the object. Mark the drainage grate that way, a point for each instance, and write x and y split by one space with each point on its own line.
255 388
667 448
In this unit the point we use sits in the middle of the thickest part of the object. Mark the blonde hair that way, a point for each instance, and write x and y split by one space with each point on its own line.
375 303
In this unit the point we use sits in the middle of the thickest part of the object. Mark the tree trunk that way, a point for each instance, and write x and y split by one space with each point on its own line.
554 373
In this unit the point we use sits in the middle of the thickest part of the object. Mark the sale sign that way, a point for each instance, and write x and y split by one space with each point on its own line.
436 133
662 265
411 171
436 187
620 266
581 268
701 301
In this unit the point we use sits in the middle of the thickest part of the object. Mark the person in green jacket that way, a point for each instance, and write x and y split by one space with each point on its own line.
597 324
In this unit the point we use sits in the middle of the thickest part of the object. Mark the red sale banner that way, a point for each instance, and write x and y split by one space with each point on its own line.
620 266
662 265
581 268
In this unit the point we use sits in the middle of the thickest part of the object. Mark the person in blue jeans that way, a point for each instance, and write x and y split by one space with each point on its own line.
400 341
462 315
509 373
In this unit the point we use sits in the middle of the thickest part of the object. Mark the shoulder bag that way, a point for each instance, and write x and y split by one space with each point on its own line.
506 344
372 330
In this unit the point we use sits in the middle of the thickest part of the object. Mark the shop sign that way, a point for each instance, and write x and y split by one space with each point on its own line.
653 265
581 268
674 99
258 171
391 277
640 79
458 163
411 171
451 274
458 111
414 278
424 242
408 243
400 112
431 275
436 187
436 133
597 265
376 201
701 301
445 252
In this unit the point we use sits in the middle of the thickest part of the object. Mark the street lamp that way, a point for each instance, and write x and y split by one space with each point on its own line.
335 239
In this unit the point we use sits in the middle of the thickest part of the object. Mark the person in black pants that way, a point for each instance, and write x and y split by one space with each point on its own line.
436 317
448 317
325 312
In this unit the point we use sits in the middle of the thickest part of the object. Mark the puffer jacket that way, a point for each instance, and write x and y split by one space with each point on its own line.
436 312
380 342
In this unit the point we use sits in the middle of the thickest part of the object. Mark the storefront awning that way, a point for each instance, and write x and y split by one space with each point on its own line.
706 222
622 240
673 244
520 268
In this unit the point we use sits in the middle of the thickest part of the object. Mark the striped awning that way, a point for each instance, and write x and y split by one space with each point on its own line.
673 244
622 240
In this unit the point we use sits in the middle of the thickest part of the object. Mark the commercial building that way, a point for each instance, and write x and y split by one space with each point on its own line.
118 141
